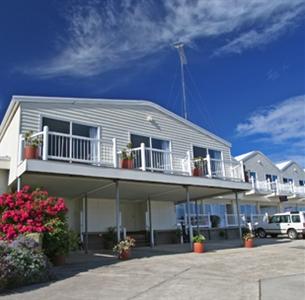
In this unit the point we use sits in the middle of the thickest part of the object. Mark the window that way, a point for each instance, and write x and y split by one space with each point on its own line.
199 152
216 159
275 219
301 182
271 178
252 175
296 218
285 219
287 180
158 160
71 147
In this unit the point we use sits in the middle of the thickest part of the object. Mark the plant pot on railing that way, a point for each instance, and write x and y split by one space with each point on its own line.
31 146
127 163
198 167
127 157
197 172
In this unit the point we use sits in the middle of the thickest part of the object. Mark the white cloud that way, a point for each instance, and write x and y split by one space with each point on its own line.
281 127
104 35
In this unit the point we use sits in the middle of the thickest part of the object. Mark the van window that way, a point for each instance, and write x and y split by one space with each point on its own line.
275 219
285 219
296 218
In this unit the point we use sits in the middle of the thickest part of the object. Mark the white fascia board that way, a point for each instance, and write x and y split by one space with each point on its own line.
40 166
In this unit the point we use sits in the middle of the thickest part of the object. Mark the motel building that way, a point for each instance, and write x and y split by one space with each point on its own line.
141 170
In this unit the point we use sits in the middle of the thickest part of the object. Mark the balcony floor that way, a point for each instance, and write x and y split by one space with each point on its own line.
72 180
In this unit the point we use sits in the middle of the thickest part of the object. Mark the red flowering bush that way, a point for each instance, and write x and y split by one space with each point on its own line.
28 211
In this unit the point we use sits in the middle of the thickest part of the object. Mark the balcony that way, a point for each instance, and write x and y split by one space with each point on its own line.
276 188
105 153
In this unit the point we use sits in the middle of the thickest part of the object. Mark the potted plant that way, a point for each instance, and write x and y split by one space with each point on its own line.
31 145
56 242
248 239
123 248
198 166
198 243
127 157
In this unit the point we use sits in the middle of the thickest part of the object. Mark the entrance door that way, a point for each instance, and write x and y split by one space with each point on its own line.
133 215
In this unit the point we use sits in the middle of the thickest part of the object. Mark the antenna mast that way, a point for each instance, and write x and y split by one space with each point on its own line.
179 47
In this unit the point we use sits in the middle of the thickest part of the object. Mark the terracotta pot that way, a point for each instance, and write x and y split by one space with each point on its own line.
125 254
58 260
197 172
198 247
127 164
249 243
30 152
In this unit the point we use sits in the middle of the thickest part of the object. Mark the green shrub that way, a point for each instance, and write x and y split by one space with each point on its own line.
56 242
198 238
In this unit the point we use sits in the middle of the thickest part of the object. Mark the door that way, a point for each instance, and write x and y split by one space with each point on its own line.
274 225
133 215
285 223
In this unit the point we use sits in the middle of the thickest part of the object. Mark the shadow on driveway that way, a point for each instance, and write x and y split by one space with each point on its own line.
79 262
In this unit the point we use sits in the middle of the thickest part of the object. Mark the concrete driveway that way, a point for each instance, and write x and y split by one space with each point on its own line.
274 269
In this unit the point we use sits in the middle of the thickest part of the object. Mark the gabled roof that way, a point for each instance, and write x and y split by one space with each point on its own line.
284 165
16 100
244 157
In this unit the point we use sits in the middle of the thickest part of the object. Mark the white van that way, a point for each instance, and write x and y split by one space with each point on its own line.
290 223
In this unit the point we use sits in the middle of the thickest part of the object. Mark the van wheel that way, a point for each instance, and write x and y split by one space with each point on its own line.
261 233
292 234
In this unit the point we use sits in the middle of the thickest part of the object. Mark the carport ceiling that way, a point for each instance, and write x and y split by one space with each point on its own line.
73 187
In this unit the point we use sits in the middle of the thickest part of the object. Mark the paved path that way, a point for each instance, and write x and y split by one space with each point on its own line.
170 272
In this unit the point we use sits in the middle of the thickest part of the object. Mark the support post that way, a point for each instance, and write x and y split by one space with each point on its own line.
242 168
143 158
151 230
114 153
20 149
45 143
197 216
18 184
189 216
117 211
86 223
238 216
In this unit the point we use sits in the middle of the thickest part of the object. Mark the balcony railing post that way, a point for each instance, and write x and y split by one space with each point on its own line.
114 153
143 160
189 163
223 166
209 165
242 171
45 144
20 148
277 189
253 183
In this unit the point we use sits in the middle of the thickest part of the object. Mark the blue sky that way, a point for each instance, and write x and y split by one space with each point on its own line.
245 73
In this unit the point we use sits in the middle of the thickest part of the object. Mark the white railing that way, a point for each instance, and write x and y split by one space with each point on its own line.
284 188
276 187
74 148
261 186
299 190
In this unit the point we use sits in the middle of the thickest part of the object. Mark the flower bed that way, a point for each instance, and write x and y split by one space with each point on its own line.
22 262
28 211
